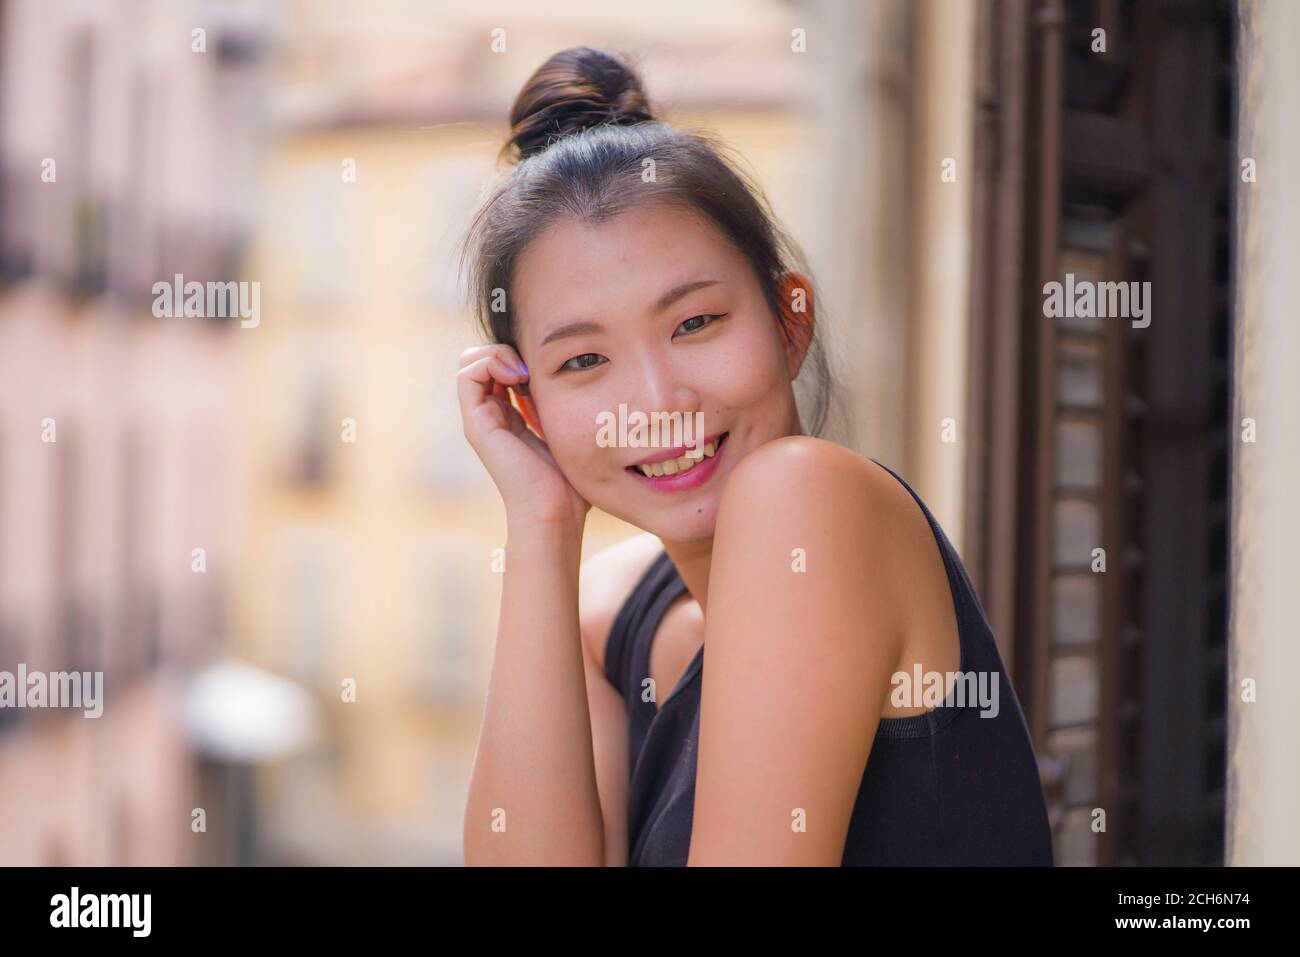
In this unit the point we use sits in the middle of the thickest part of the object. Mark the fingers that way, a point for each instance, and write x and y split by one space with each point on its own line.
481 379
473 354
509 356
480 385
490 369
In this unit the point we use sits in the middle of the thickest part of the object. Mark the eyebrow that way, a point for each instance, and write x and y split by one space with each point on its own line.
584 326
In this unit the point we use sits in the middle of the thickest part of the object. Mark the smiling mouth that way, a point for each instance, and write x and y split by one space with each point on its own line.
679 465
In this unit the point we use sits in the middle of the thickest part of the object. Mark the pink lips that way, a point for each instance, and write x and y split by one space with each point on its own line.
693 477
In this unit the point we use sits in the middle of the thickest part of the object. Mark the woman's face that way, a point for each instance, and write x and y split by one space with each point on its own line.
714 350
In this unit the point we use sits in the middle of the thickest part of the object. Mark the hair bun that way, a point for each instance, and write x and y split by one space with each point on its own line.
575 89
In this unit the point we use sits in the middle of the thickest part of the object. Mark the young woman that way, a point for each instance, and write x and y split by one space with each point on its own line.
625 262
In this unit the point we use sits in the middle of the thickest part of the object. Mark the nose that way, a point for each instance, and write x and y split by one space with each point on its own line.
663 389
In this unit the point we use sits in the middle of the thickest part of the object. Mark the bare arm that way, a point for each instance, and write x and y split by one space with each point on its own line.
532 793
799 657
609 737
533 797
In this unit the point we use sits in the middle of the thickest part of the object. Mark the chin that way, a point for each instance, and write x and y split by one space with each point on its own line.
687 523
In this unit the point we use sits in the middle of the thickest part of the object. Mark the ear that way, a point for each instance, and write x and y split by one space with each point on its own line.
799 316
524 403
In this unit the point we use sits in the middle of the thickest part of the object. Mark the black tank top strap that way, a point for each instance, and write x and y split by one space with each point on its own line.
964 594
636 621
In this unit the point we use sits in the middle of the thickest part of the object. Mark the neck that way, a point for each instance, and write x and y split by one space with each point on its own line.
692 560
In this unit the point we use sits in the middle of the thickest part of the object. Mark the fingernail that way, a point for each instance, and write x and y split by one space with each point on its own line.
523 369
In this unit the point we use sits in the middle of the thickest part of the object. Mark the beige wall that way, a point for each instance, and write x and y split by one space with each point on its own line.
1263 757
941 258
895 98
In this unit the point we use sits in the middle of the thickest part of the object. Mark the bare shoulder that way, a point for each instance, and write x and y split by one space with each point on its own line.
818 475
807 489
604 582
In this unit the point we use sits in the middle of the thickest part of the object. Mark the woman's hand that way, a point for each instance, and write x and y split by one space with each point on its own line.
532 486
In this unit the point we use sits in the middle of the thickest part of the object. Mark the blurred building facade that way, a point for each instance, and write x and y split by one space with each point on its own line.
123 157
938 161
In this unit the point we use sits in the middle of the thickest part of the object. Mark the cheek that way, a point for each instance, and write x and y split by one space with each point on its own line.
570 428
754 370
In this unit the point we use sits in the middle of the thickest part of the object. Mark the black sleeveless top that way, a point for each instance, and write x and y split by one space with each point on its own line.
946 787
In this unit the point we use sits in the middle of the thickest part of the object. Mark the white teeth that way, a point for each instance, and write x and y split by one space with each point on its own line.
673 466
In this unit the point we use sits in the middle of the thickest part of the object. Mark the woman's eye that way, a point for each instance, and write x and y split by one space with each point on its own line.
575 362
690 326
702 325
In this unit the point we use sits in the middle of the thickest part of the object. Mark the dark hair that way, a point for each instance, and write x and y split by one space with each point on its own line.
581 131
